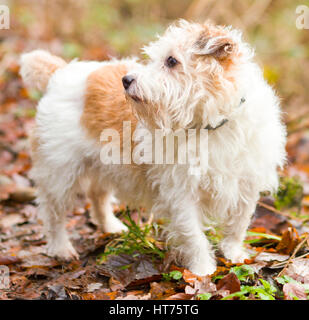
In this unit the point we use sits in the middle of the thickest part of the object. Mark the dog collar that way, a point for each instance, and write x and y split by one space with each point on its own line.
209 127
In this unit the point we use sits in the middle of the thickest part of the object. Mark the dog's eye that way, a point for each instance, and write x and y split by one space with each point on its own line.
171 62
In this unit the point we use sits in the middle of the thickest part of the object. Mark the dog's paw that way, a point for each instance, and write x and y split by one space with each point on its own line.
237 256
64 252
114 225
203 269
234 252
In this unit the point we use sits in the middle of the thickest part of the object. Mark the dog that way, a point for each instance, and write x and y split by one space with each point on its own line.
196 76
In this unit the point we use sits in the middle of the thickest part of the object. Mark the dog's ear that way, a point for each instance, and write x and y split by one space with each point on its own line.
220 47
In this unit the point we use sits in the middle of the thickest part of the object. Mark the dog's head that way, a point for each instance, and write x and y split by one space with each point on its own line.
191 77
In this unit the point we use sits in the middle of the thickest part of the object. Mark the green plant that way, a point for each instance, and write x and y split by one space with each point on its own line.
139 239
204 296
243 272
290 193
261 238
286 279
172 275
265 291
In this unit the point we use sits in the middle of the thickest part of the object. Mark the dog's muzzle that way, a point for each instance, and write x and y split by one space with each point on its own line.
127 82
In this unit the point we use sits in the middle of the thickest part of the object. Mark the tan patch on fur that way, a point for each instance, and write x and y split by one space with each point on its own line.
34 145
106 106
227 55
45 66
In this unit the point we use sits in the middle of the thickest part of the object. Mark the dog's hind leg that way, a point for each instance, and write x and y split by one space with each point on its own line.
101 211
52 212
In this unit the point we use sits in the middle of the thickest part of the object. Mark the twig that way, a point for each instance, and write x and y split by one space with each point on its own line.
268 207
293 255
279 264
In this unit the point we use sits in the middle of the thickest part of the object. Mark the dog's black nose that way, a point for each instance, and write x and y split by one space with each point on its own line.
127 80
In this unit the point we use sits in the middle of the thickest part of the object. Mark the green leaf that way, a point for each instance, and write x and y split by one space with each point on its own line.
176 275
204 296
268 287
284 279
243 272
263 235
173 275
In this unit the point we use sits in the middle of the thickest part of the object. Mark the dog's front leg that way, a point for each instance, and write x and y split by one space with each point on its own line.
188 240
234 232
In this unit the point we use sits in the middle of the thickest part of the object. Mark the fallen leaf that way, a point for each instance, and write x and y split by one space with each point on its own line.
267 219
190 277
38 274
202 285
127 269
57 292
258 266
294 290
91 287
6 187
160 289
23 194
298 270
11 219
131 296
289 241
39 260
180 296
6 260
269 256
229 282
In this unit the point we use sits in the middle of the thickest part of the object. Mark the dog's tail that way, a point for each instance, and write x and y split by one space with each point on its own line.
36 68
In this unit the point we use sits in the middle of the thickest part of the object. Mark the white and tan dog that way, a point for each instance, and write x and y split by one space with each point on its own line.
198 76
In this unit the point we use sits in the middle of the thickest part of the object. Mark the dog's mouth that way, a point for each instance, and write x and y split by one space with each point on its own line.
134 97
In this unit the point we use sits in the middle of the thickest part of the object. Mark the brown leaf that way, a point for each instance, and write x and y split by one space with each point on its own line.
126 269
39 261
135 295
190 277
202 285
57 292
38 274
292 290
6 187
160 289
98 295
139 282
11 219
6 260
229 282
289 241
269 220
180 296
23 194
